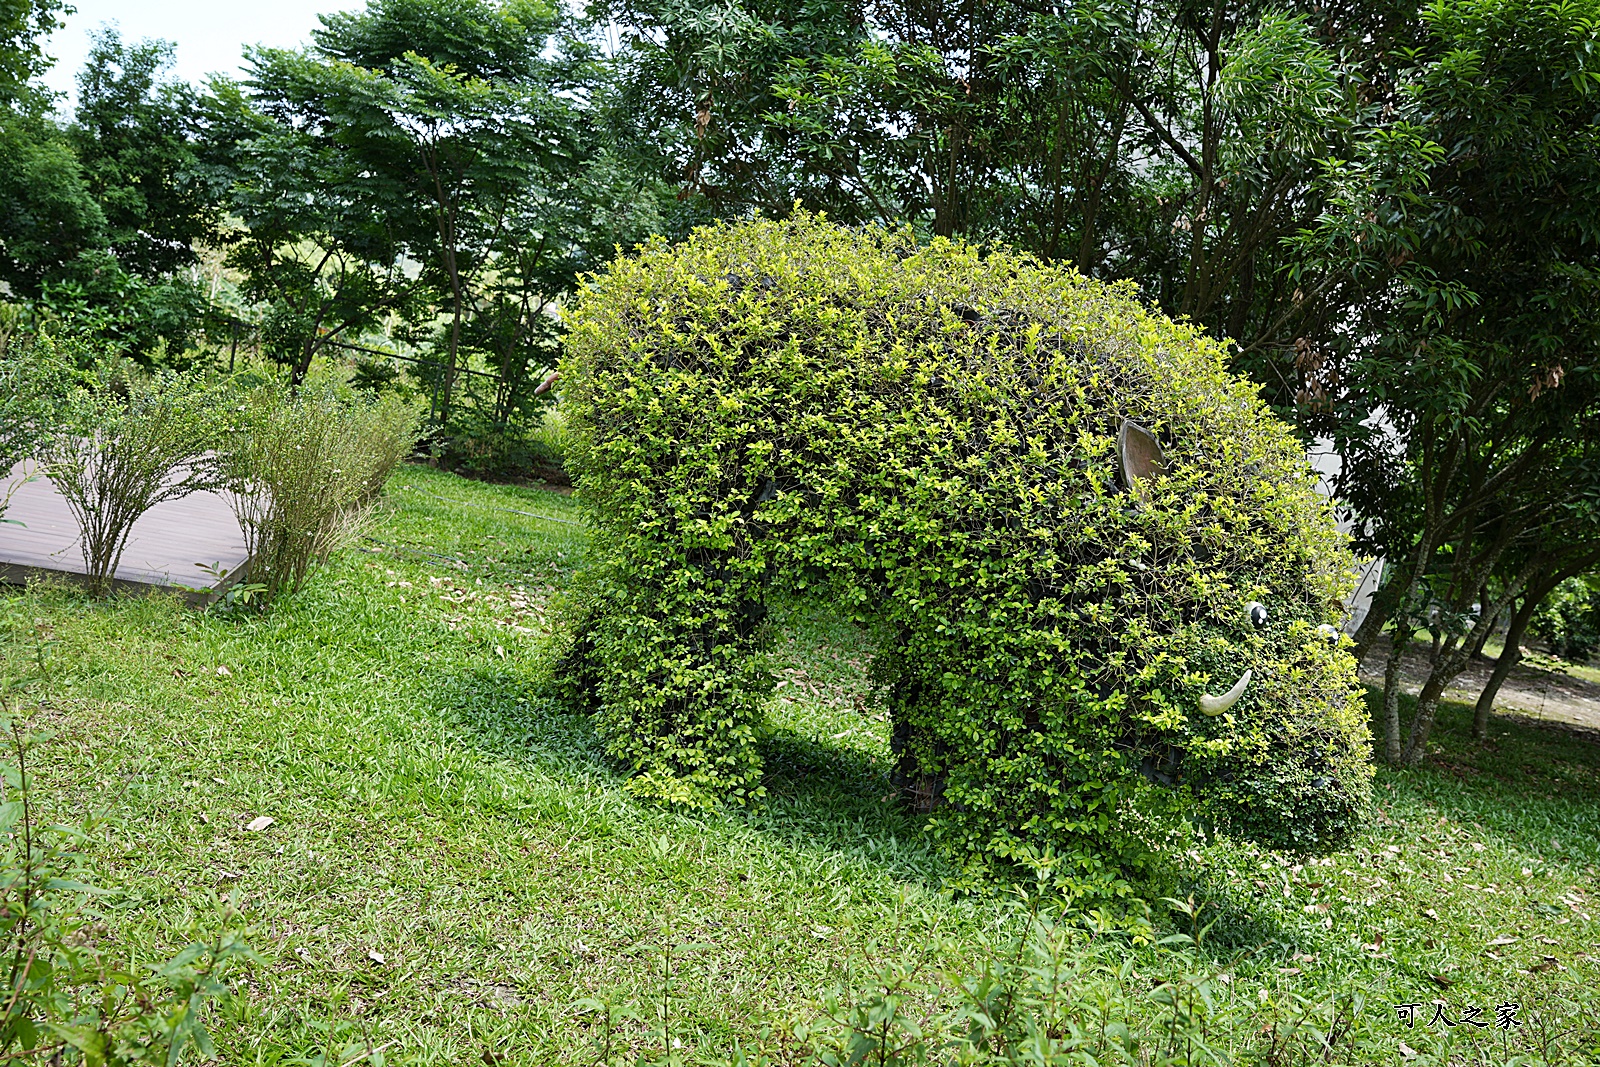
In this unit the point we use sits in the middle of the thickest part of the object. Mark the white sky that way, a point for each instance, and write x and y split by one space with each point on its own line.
210 34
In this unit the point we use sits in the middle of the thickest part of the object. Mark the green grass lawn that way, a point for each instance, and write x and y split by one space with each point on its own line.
454 873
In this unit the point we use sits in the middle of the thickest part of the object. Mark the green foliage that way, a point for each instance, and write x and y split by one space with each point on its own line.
65 1001
1460 384
303 467
476 446
497 421
463 129
1568 621
135 137
30 377
374 715
151 322
317 248
1162 142
123 441
48 218
24 25
97 217
1064 990
925 436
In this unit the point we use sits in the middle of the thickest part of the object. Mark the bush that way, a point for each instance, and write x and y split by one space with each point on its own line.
123 441
30 379
1568 621
927 436
478 448
302 468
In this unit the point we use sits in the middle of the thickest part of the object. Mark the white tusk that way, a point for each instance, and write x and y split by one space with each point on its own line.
1217 705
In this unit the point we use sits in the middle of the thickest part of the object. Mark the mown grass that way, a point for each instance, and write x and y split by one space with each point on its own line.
454 873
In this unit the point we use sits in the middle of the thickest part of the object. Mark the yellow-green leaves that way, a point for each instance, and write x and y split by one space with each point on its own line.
927 439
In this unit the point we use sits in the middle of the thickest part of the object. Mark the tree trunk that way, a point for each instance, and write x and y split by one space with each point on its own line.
1449 660
1391 697
1422 722
1447 663
1509 657
455 343
447 242
302 365
447 216
1541 585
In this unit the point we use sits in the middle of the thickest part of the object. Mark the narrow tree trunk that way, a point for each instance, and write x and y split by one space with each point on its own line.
1509 657
1541 583
1448 662
447 241
1422 723
1391 697
302 365
447 208
455 344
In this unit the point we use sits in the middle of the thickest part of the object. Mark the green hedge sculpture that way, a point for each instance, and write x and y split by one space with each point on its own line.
1055 506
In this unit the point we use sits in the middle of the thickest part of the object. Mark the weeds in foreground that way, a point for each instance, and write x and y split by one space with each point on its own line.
1068 987
67 997
66 1000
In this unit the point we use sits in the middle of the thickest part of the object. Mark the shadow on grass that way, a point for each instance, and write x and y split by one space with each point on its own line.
1535 785
509 717
820 798
841 799
1528 786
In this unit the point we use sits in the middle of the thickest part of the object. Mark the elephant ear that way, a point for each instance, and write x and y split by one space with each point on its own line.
1140 455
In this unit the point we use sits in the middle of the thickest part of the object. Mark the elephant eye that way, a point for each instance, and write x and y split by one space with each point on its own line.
1258 613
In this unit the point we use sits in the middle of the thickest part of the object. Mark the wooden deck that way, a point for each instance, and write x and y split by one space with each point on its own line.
166 550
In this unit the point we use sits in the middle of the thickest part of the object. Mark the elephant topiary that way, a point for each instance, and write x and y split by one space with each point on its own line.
1073 529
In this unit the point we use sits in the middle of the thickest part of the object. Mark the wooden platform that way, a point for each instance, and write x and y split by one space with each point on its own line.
166 550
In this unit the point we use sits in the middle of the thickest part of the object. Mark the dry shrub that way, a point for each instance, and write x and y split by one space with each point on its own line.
302 469
122 442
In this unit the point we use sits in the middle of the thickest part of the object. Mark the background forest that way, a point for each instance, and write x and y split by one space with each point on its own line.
1390 209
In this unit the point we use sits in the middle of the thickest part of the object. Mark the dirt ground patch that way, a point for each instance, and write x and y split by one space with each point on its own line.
1531 693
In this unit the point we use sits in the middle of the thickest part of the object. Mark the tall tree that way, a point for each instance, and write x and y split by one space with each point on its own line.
134 135
98 218
1166 141
24 25
47 217
315 240
447 109
469 121
49 220
1462 383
